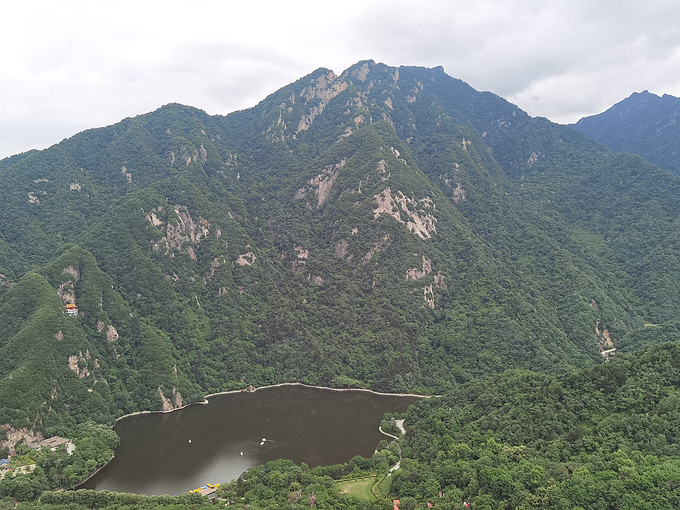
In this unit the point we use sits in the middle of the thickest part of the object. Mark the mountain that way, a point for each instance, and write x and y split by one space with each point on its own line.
643 124
389 228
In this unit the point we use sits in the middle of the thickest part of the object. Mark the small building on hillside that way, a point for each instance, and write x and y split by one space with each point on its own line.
71 309
4 463
55 443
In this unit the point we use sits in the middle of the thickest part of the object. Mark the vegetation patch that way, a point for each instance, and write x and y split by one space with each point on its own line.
358 488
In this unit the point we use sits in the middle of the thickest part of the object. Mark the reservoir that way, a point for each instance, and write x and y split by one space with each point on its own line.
172 453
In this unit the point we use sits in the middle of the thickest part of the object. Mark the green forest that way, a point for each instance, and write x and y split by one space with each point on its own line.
598 438
387 228
643 124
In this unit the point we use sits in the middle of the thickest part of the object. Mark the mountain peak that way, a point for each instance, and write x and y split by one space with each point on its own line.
643 123
358 227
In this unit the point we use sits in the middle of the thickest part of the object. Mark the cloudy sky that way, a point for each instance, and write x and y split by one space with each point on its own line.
70 65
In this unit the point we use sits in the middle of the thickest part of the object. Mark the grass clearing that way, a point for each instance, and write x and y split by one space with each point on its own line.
383 488
358 488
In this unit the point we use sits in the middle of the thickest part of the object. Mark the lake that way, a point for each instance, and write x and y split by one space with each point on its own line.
172 453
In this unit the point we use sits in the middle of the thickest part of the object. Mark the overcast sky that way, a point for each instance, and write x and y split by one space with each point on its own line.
70 65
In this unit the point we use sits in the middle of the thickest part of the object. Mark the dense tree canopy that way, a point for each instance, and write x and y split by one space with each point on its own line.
388 228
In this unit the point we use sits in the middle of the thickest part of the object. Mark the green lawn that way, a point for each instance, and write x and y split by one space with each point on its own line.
383 488
358 488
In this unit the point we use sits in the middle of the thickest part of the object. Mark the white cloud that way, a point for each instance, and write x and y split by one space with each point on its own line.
76 64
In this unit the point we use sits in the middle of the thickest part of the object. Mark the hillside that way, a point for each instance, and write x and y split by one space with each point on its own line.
389 228
644 124
600 438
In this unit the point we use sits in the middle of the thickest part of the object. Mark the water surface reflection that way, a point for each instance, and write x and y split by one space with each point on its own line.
179 451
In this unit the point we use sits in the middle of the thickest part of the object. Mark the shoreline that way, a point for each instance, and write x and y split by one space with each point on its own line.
205 401
75 488
206 397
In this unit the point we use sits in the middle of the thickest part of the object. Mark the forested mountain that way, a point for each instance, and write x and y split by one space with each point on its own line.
389 228
643 124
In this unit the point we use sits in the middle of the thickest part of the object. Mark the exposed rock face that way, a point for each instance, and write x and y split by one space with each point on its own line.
73 272
439 281
428 295
361 72
246 259
458 193
398 155
153 219
414 273
325 180
59 335
298 266
325 88
606 346
217 262
232 159
300 263
15 436
180 235
67 292
111 334
188 155
341 249
301 252
74 186
171 403
418 218
126 174
78 363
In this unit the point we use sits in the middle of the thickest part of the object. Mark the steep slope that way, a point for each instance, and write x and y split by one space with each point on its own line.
644 124
387 227
58 369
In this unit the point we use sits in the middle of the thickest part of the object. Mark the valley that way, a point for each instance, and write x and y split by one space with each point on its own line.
387 228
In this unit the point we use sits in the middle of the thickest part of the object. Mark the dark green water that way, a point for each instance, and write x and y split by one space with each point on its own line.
179 451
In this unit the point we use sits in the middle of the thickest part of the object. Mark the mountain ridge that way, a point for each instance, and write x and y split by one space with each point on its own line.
643 123
389 228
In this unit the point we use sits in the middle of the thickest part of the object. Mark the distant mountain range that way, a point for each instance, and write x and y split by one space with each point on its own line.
388 227
643 124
